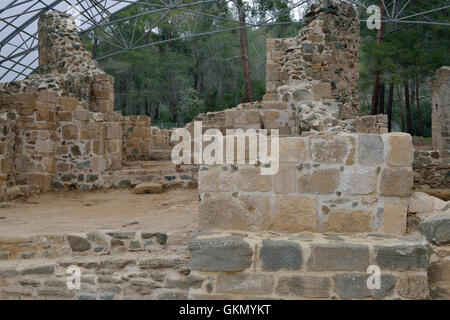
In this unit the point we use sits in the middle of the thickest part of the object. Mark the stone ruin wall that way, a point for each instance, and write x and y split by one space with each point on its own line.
432 167
59 128
357 172
312 78
330 183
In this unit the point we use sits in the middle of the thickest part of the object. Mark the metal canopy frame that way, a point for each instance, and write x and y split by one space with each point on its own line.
98 19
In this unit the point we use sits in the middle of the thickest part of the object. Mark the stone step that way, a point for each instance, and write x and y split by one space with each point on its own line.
130 276
98 243
308 265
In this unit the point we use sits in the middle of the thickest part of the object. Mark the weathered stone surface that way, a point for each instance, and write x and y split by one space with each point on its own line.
149 187
396 182
291 213
232 211
304 286
78 243
421 203
333 149
280 255
413 287
244 283
338 257
359 181
251 180
402 257
7 272
220 254
439 270
370 150
394 217
42 269
354 286
292 149
401 151
285 180
319 181
437 229
343 220
121 234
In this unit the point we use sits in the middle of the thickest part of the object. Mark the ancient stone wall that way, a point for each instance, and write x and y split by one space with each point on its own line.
440 85
430 170
307 266
313 77
325 183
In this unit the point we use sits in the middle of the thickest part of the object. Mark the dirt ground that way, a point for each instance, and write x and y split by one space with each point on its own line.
77 211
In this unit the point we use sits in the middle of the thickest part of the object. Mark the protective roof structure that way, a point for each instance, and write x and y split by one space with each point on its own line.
18 23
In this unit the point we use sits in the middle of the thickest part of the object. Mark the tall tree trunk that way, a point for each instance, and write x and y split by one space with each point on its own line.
419 114
382 97
408 108
399 98
94 49
173 100
389 106
376 88
244 51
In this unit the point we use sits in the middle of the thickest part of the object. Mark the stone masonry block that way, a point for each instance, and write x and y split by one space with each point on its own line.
354 286
249 179
319 181
402 257
338 257
292 149
284 181
359 181
345 220
394 217
244 283
371 149
290 214
401 150
280 255
304 286
226 254
333 149
396 182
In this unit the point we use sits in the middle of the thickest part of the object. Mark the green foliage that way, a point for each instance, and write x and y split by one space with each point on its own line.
177 80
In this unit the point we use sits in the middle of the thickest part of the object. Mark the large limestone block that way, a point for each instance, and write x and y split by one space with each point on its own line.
421 203
401 150
343 220
359 181
319 181
285 179
396 182
371 149
227 254
333 149
394 217
232 211
292 149
249 179
291 213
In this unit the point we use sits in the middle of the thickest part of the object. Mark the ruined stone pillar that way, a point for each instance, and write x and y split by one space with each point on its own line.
313 77
440 85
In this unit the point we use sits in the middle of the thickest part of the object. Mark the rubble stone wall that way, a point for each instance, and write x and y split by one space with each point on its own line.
313 77
7 152
430 170
325 183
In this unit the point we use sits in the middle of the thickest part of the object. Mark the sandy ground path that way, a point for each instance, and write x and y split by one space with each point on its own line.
63 212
